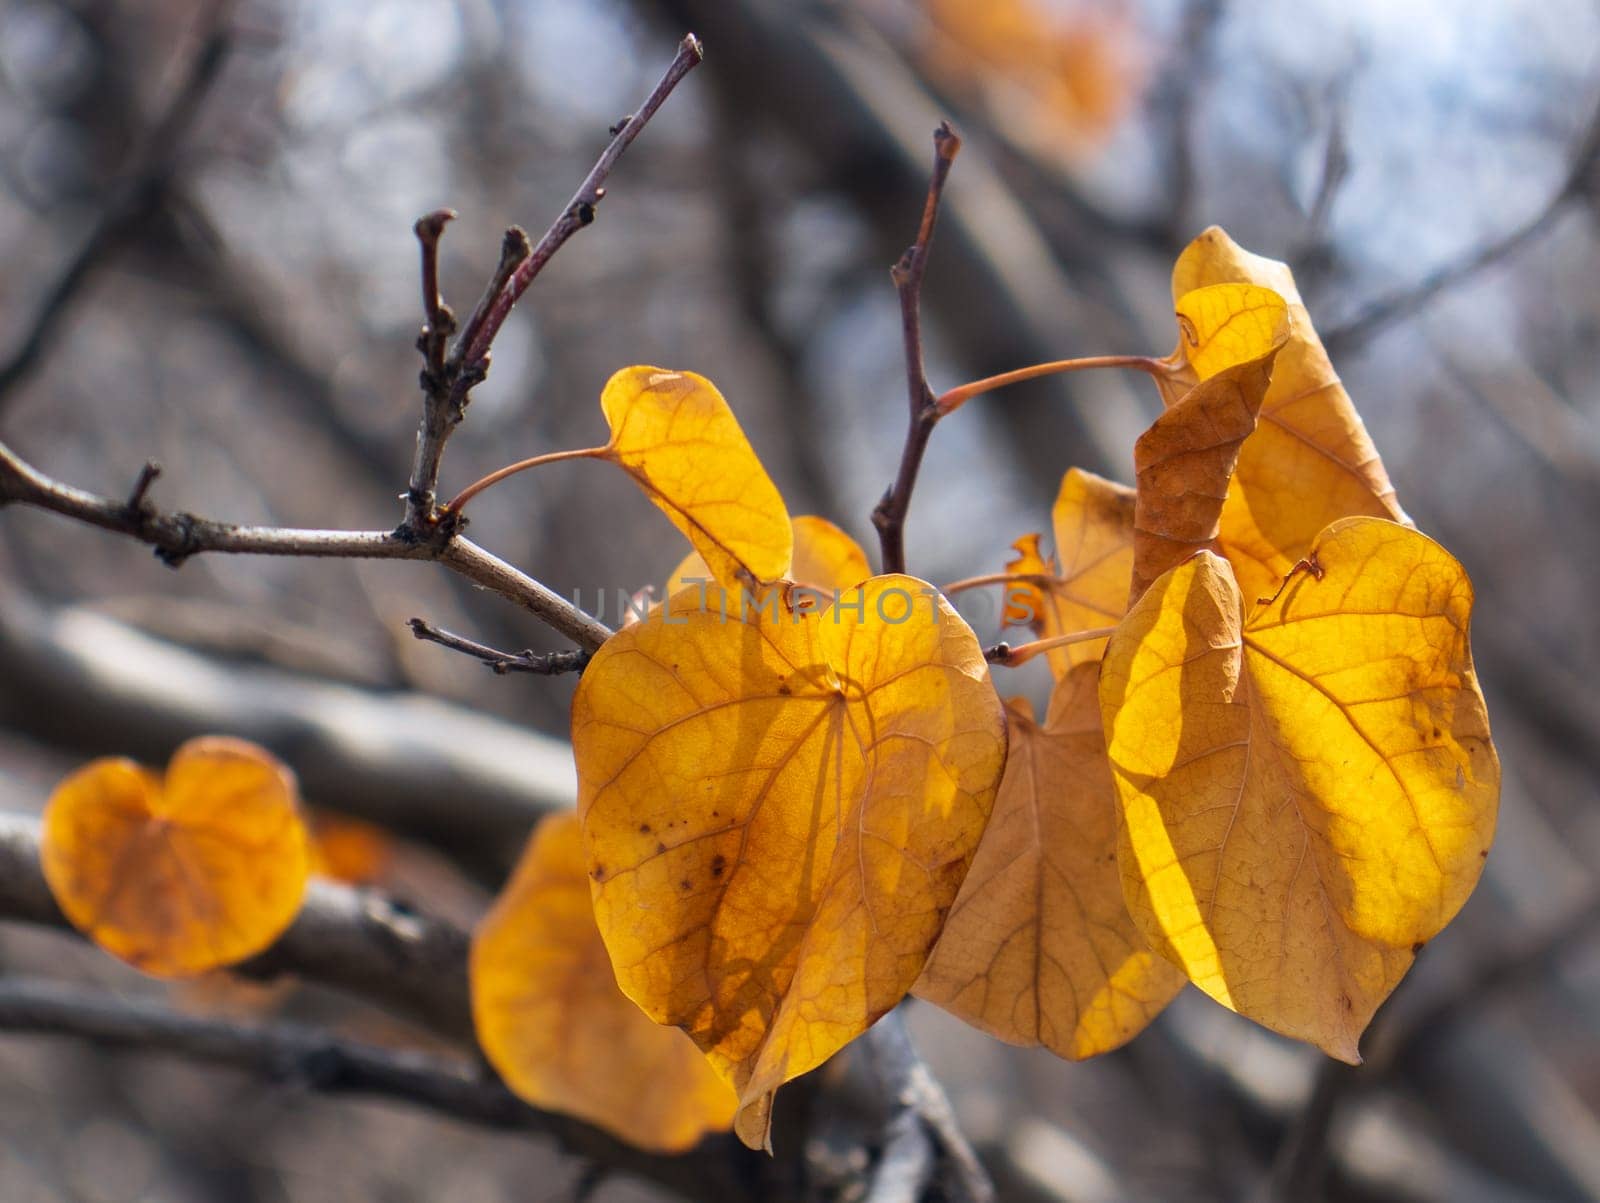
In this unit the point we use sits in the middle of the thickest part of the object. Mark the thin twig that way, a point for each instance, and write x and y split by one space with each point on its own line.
177 535
136 196
548 664
459 780
890 515
439 320
473 349
514 251
446 392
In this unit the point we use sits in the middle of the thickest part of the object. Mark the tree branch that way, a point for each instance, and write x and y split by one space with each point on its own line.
368 945
322 1063
358 941
890 515
466 782
132 199
908 1165
178 535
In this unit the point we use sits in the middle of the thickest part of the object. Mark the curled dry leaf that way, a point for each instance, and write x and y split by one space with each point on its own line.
778 811
1039 947
1306 797
675 435
1311 460
1024 600
1184 461
183 873
553 1023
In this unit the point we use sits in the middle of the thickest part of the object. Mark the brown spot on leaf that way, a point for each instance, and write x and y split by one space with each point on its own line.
718 864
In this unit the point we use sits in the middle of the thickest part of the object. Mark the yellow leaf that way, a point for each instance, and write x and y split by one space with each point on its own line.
553 1023
1184 461
1223 325
825 559
675 435
1039 948
1306 797
183 874
1311 461
1093 522
778 810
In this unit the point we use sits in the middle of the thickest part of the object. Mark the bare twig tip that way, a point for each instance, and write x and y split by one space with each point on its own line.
694 46
430 225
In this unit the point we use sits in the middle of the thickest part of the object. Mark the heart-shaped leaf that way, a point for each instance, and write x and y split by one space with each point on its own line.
779 808
1039 948
1308 796
183 873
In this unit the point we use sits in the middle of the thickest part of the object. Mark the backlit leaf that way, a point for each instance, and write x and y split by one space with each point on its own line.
183 873
1306 797
778 811
1039 948
1183 462
825 559
1310 461
675 435
553 1023
1093 522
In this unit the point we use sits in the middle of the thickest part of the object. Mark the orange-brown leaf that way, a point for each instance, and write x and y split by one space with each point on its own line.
778 810
1184 461
183 873
1311 460
1061 75
1024 600
553 1023
675 435
1039 948
349 850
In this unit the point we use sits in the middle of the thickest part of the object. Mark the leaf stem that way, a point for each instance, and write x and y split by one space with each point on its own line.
953 399
1007 656
456 503
1000 578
